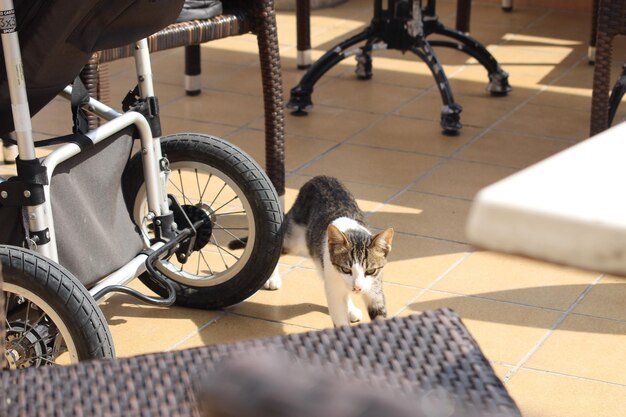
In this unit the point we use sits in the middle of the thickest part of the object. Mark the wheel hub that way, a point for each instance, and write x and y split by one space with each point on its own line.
196 213
28 346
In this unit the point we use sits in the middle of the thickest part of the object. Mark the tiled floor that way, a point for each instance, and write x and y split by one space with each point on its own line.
556 335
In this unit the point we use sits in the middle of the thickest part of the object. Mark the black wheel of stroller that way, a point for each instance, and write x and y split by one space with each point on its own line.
214 180
50 316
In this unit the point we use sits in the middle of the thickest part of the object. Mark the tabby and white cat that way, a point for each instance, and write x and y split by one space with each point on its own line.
326 224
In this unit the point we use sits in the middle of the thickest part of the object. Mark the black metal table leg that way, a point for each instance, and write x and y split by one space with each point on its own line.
498 78
451 111
300 98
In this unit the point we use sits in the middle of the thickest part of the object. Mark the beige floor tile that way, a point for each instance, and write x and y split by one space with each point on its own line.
173 125
298 150
549 122
216 107
372 166
461 179
412 135
516 279
540 394
327 123
138 328
472 80
587 347
233 328
606 299
301 301
505 332
425 215
417 262
357 95
511 149
479 110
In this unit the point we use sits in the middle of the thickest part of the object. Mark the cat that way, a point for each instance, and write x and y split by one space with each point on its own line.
326 224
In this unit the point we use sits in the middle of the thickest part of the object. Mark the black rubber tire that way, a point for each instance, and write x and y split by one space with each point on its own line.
64 294
259 192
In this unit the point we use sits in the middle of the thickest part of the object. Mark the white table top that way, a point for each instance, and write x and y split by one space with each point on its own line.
569 208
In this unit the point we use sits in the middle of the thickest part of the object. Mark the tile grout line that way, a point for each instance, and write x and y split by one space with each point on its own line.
581 378
559 374
434 282
248 316
197 331
550 331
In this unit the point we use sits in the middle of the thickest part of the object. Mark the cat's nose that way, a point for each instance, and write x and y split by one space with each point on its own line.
357 288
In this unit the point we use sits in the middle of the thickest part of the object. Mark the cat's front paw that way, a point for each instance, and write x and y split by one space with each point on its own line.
355 315
274 282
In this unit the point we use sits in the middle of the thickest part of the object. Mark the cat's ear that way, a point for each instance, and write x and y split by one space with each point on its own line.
382 241
336 239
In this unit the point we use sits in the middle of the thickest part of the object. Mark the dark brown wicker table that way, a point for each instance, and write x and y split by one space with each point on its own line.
411 355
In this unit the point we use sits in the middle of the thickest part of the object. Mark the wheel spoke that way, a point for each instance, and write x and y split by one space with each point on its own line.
182 187
218 194
205 262
28 303
223 205
229 213
221 249
175 186
205 187
228 231
32 326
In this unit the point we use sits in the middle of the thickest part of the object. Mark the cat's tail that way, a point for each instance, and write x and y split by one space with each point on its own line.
238 243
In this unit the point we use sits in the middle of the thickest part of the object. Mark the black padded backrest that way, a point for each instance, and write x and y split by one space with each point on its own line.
58 37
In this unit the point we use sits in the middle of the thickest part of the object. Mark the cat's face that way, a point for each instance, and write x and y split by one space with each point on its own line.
358 256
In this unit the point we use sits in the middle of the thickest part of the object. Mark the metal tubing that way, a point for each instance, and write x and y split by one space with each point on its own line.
98 108
127 273
21 112
144 69
146 90
17 84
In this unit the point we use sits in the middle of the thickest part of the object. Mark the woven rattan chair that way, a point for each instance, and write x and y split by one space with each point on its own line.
611 23
414 356
239 17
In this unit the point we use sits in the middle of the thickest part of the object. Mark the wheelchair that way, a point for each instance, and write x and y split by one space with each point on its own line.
116 202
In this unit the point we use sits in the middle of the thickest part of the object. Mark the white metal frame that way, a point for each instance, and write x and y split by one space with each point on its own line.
40 217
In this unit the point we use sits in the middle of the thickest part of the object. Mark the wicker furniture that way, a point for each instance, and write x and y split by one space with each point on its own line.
414 355
239 17
611 22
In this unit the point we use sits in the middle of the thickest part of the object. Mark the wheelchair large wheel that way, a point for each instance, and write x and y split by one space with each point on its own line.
50 316
212 179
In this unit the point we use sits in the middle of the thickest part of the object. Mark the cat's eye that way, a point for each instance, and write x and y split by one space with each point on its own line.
372 271
345 270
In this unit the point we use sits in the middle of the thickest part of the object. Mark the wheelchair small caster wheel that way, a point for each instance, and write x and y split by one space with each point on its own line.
451 119
363 69
499 84
300 101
